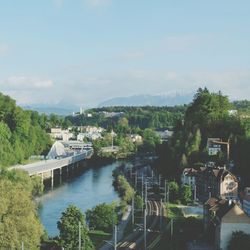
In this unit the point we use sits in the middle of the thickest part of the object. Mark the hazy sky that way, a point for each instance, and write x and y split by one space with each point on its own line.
87 51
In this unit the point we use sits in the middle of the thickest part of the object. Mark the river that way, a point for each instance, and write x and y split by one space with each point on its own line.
91 187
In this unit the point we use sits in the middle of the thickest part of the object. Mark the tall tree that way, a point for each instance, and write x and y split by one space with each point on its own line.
102 217
18 218
68 226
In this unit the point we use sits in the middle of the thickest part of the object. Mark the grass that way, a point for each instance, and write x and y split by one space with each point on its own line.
174 212
29 161
98 237
184 229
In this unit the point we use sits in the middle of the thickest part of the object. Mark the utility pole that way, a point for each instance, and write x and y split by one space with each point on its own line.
165 191
115 243
145 229
194 192
142 193
159 180
133 210
172 227
168 195
80 236
135 179
161 215
146 194
112 137
22 246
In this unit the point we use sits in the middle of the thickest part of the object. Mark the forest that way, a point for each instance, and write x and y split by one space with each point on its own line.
138 117
22 133
206 117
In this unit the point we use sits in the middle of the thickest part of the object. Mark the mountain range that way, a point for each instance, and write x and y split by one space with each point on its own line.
149 100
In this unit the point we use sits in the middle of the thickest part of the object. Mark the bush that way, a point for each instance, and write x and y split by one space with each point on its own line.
124 189
102 217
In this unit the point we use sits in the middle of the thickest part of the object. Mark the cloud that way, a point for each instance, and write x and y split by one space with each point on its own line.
89 89
26 83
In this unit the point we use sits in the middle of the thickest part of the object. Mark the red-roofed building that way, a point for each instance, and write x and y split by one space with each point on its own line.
223 217
216 182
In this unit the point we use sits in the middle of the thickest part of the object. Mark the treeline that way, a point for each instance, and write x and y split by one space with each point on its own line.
206 117
19 221
138 117
22 133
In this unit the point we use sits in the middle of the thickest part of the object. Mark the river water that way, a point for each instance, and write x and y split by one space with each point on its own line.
91 187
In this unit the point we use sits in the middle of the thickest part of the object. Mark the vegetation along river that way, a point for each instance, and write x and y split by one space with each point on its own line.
91 187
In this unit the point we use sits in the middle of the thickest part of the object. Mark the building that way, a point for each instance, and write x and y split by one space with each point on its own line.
60 134
246 200
213 147
93 129
216 182
81 136
233 112
135 138
223 217
188 177
112 114
164 135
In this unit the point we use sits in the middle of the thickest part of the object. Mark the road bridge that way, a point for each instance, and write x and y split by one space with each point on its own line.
46 168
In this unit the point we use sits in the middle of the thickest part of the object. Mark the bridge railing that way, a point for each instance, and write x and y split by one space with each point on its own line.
49 165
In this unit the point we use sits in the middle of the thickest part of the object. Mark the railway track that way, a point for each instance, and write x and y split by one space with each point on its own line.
136 239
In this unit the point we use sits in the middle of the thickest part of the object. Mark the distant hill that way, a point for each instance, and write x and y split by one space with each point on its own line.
149 100
59 109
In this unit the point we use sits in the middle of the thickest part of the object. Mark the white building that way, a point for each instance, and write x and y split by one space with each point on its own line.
246 201
188 177
213 147
81 136
233 112
234 220
60 134
93 129
135 138
222 217
89 135
164 135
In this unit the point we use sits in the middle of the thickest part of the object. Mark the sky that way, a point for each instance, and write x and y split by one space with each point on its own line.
86 51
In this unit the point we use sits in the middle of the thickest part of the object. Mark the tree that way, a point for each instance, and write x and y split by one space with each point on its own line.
173 191
125 190
239 240
21 134
37 185
186 194
18 218
184 161
102 217
138 202
150 139
68 226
